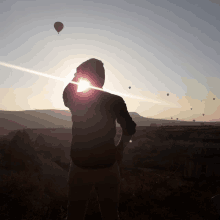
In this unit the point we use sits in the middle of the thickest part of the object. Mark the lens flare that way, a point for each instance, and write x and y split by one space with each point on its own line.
83 85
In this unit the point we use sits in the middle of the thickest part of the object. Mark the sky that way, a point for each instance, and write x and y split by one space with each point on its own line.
154 46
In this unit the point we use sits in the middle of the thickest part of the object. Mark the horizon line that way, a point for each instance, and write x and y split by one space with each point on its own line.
174 120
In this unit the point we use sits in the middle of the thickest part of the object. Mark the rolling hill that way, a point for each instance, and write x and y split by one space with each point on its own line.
52 118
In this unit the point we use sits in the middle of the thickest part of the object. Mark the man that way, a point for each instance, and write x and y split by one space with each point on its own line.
93 153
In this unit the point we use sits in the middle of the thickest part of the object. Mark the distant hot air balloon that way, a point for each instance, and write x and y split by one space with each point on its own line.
213 98
167 94
129 87
203 114
58 26
191 108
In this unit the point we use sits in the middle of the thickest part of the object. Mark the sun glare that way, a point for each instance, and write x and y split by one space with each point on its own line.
83 85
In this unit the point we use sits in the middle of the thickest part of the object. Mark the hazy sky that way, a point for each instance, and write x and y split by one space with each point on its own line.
154 46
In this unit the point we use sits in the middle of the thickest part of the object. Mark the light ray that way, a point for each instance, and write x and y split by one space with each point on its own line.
65 80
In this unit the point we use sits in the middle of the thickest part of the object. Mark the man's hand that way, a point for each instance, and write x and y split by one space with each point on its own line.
119 152
120 147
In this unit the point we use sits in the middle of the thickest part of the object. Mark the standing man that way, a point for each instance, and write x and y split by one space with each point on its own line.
94 156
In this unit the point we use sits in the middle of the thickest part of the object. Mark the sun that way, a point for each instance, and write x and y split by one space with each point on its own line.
83 85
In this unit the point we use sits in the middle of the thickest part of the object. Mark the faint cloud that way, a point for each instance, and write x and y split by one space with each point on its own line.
213 83
195 89
23 99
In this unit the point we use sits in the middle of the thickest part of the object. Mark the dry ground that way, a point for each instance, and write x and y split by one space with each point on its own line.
152 187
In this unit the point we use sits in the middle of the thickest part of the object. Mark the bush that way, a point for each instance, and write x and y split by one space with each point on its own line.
21 193
22 153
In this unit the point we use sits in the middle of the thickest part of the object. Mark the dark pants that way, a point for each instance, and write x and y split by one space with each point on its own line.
107 186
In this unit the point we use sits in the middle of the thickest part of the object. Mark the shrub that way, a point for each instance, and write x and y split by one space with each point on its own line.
22 153
22 193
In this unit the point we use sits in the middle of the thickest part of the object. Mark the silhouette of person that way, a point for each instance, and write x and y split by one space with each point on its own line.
94 156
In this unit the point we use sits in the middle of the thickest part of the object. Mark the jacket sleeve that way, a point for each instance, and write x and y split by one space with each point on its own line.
66 96
124 119
68 93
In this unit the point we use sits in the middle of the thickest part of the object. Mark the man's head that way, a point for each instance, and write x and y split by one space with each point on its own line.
93 70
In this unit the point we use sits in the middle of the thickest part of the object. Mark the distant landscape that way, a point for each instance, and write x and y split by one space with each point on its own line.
15 120
34 165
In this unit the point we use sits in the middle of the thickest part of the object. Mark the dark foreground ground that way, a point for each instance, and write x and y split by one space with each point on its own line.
153 184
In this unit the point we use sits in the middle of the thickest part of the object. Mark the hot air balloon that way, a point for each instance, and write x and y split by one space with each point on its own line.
58 26
167 94
203 114
213 98
129 87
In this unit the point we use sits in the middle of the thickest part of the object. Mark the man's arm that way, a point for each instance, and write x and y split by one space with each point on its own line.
124 140
121 146
68 92
65 98
127 124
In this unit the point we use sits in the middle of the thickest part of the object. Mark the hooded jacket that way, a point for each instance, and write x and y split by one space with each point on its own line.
94 115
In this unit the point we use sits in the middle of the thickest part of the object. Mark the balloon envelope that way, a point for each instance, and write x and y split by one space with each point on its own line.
58 26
